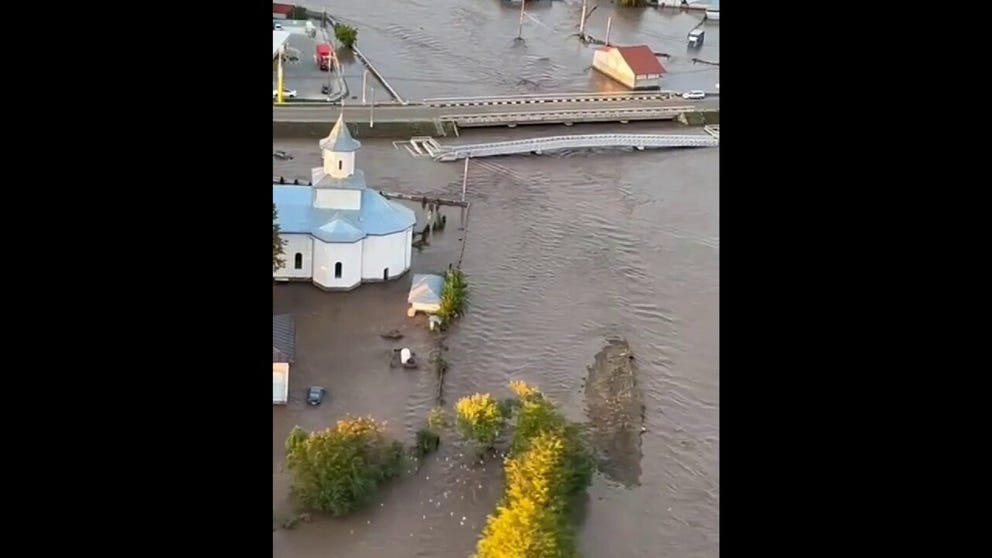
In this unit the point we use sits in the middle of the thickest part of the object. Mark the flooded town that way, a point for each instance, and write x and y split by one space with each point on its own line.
478 297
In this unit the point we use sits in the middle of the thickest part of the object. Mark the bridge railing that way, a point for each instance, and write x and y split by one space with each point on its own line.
548 98
578 141
566 115
578 138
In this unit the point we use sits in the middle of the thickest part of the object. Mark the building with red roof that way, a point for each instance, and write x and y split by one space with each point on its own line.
281 11
637 67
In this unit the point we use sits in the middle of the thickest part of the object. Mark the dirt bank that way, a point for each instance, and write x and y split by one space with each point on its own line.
616 412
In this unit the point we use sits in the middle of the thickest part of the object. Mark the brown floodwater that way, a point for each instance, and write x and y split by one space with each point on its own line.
563 251
450 48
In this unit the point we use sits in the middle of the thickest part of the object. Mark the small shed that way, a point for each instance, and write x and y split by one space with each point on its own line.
283 354
425 294
281 11
637 67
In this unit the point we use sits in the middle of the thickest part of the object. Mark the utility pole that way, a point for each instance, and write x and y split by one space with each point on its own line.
282 49
520 28
582 20
365 80
465 178
372 110
609 23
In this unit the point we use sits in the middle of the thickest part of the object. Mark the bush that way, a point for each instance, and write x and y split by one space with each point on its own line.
298 12
346 35
479 419
427 442
437 420
532 522
549 464
453 295
508 406
338 470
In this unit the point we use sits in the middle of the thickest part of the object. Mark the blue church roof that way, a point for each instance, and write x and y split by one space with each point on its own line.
377 216
338 230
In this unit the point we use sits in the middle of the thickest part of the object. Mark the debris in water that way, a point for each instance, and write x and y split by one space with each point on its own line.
392 335
616 412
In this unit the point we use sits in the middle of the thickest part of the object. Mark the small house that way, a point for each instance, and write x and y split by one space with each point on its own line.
637 67
425 294
283 354
281 11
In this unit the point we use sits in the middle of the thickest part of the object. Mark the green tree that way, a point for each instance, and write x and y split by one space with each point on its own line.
549 463
479 419
298 12
346 35
277 242
632 3
453 294
339 469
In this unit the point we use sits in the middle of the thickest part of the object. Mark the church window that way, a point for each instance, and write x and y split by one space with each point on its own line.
340 164
298 261
337 270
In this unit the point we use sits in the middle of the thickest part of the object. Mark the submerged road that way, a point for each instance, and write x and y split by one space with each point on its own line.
419 113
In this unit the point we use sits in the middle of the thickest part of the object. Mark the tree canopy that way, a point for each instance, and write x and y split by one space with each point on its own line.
339 469
346 34
479 419
549 464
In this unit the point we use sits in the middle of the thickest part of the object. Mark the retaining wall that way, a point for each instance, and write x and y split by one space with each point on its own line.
391 130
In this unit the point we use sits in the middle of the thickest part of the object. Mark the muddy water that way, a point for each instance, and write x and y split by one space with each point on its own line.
563 251
437 48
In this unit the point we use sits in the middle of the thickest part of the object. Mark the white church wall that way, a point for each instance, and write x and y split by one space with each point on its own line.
326 258
297 250
409 247
339 165
385 252
337 199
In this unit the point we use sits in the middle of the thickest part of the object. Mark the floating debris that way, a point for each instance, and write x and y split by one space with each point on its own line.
616 412
392 335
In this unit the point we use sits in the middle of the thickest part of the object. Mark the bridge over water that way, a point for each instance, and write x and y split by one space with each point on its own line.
504 111
447 153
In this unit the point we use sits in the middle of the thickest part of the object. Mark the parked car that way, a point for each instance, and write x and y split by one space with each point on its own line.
315 395
694 95
282 155
291 93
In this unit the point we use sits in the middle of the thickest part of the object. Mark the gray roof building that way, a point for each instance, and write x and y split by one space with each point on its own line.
283 338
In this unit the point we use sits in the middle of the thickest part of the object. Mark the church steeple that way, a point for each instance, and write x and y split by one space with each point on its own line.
338 150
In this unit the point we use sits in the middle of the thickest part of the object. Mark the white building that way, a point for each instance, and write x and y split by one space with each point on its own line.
283 353
338 233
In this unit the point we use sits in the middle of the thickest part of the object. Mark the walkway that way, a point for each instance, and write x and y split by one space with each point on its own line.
584 141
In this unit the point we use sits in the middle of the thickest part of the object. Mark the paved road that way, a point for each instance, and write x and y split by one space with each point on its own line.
399 113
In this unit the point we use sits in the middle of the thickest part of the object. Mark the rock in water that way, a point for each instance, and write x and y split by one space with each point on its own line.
615 406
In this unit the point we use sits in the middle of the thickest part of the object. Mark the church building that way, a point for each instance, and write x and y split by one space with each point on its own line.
338 233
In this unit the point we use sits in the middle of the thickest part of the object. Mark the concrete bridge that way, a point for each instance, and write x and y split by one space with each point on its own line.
504 111
580 141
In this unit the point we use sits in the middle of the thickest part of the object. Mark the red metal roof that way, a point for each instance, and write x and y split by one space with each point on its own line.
641 59
281 8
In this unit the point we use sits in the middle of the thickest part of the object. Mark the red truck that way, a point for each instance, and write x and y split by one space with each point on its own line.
323 57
